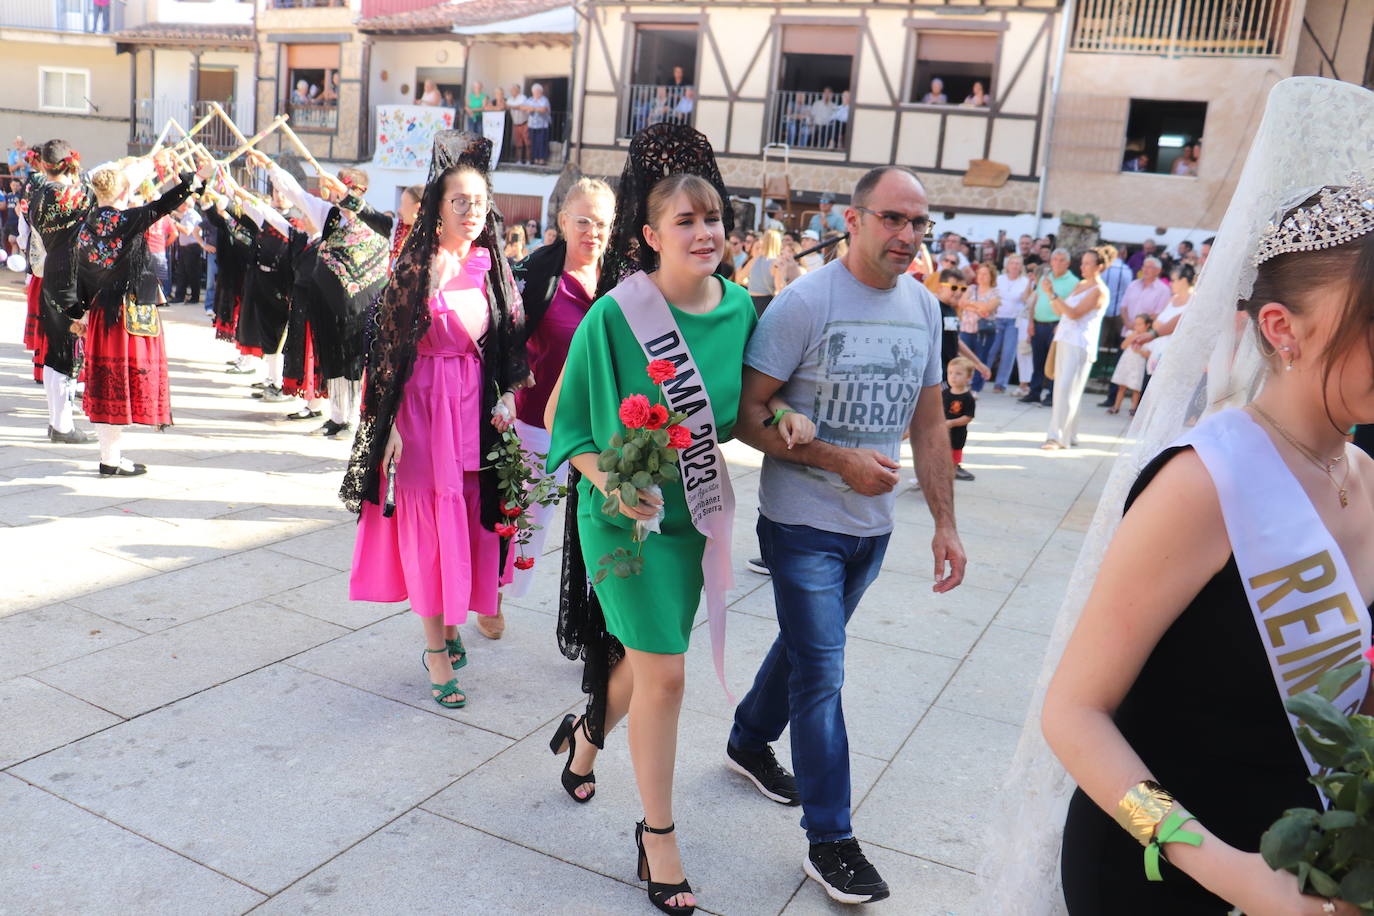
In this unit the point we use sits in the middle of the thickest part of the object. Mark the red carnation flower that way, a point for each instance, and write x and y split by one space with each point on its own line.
511 511
506 531
660 370
524 562
679 437
634 411
658 415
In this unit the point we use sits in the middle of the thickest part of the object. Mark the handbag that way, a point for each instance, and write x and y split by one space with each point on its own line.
1049 359
141 319
987 326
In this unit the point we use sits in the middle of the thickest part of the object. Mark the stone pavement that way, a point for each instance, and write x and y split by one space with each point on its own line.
195 719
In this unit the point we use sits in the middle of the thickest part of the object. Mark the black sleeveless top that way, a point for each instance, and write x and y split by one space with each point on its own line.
1205 717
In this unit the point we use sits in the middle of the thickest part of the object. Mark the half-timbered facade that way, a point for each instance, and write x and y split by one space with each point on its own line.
833 87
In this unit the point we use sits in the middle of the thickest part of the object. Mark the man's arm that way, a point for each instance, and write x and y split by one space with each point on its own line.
868 472
935 473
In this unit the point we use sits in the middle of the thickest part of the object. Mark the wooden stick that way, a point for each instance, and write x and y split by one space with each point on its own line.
199 125
248 144
305 151
157 144
215 109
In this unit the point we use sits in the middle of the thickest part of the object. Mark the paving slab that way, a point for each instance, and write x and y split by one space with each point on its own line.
44 571
187 659
327 599
57 859
44 636
158 602
39 718
394 871
266 777
933 799
999 676
742 853
514 684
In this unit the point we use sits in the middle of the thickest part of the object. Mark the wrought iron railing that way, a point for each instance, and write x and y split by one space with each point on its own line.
62 16
304 4
809 121
314 116
651 104
1182 28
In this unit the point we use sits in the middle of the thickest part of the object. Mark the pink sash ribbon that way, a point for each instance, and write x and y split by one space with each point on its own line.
705 479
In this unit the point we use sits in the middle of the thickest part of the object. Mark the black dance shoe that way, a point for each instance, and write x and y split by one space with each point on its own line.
117 470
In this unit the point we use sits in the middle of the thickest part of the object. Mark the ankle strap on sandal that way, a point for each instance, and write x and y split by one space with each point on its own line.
436 651
661 831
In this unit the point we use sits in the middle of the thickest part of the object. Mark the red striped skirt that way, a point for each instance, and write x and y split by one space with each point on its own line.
125 375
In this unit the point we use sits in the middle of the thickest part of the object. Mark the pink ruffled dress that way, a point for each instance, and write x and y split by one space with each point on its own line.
434 550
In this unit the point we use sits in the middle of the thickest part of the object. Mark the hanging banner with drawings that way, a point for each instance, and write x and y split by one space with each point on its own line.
494 129
405 135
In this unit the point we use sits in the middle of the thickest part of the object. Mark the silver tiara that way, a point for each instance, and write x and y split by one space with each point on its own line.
1341 214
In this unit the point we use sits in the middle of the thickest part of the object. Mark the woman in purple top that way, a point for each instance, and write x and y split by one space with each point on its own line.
557 283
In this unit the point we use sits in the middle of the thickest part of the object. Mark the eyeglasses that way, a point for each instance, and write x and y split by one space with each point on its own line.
896 222
957 287
464 205
585 224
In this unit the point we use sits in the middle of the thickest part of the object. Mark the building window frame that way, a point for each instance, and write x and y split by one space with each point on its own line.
914 29
779 24
285 105
633 23
43 102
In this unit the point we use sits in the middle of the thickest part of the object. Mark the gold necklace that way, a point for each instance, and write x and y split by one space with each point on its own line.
1327 466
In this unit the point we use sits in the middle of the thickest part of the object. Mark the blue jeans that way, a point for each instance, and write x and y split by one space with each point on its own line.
164 276
1043 336
1003 350
818 579
980 344
211 275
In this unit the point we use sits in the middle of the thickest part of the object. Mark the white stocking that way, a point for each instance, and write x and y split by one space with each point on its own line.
274 368
109 437
343 400
59 388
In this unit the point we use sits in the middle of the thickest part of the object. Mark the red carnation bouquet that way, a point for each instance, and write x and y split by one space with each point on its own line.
520 488
642 458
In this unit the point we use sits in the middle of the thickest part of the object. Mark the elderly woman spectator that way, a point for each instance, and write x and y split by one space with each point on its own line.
976 309
540 121
432 96
936 95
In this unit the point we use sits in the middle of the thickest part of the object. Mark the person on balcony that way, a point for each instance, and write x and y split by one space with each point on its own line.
540 120
100 15
978 98
330 96
477 102
682 111
936 95
519 123
302 94
431 96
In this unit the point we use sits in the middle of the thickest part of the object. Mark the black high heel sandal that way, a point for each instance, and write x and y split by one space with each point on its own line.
567 731
660 894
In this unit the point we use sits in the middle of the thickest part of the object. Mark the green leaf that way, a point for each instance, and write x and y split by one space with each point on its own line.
492 456
629 495
1337 820
668 472
1324 884
661 438
1354 843
642 480
1324 718
668 455
611 505
1336 680
1326 753
1283 844
630 452
606 461
636 565
617 440
622 570
652 462
600 575
612 481
1357 886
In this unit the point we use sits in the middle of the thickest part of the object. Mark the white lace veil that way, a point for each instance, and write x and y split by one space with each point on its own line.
1315 132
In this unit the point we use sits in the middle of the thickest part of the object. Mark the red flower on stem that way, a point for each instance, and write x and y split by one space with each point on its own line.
506 531
658 415
660 370
524 562
679 437
511 511
634 411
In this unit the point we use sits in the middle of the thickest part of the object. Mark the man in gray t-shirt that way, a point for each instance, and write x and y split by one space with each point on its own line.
856 347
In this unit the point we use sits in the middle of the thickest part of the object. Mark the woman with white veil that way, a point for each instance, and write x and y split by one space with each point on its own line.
1261 520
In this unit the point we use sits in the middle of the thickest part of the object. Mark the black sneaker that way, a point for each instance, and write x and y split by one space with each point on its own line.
1028 399
840 868
757 565
340 431
764 771
961 474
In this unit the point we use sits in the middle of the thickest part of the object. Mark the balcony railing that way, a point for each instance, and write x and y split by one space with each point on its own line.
649 104
1182 28
150 115
809 121
62 16
304 4
315 116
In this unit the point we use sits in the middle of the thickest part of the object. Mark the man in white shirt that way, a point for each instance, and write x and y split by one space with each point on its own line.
822 115
519 119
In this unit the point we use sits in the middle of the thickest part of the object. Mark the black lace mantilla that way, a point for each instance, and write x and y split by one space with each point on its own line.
655 153
402 318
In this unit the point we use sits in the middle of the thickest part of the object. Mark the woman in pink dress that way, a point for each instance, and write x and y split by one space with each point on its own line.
445 360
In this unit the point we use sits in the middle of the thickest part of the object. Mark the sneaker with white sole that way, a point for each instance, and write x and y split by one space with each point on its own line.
763 770
757 565
847 876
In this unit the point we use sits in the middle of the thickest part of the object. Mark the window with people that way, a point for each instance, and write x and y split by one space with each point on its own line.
811 105
313 84
1164 138
953 68
661 88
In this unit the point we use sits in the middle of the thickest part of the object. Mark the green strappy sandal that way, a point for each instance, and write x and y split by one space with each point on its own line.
446 690
455 648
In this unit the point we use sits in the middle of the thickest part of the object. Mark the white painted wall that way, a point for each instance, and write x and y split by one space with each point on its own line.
172 77
385 185
400 59
215 12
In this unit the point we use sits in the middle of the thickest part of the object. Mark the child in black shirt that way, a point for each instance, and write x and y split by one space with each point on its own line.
959 410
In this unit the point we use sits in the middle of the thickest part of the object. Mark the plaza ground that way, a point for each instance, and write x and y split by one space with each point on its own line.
195 719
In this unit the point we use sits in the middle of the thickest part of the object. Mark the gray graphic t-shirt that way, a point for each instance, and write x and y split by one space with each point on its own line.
854 359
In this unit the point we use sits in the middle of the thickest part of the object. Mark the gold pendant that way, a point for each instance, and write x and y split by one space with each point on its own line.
1345 500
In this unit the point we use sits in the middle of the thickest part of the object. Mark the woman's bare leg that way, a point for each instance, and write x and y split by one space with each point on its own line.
440 669
618 692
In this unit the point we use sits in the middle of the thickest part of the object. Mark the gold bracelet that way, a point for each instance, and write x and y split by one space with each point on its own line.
1142 808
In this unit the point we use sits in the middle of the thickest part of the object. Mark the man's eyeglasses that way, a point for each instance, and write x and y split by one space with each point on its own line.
464 205
585 224
956 287
896 222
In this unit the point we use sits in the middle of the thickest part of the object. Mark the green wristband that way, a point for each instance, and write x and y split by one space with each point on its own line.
1171 831
777 416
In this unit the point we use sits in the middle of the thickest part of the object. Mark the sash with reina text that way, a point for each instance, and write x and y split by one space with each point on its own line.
705 480
1307 606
